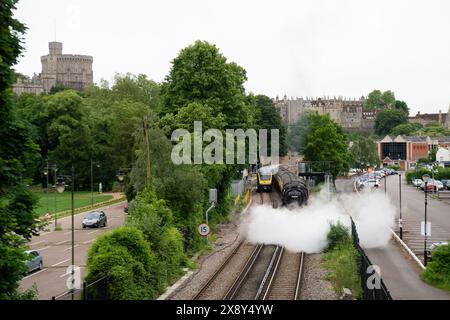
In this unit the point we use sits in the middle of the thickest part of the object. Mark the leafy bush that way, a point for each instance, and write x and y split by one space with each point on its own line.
438 269
337 236
125 257
439 174
151 215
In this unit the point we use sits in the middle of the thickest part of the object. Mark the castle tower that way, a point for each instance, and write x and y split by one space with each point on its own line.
55 48
68 70
448 117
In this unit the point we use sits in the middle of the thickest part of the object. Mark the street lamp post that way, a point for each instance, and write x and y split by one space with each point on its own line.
400 203
92 180
56 210
385 182
425 178
60 188
46 186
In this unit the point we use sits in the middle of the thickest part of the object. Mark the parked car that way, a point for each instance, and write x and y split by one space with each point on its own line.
432 185
35 260
446 184
417 182
434 246
371 183
95 219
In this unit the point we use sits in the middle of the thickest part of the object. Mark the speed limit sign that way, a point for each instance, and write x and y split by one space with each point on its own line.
203 229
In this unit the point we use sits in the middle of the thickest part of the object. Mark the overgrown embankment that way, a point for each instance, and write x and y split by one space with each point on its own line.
437 272
341 261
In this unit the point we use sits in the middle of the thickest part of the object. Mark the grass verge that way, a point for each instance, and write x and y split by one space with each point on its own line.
61 202
341 261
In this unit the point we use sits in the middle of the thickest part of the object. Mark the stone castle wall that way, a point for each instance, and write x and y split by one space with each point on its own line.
352 115
58 69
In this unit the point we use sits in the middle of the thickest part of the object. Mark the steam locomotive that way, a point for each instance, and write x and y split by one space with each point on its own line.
293 189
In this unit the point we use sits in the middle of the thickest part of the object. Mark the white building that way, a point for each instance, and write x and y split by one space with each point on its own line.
443 157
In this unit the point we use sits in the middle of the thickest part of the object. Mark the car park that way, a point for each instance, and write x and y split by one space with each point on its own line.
35 261
94 219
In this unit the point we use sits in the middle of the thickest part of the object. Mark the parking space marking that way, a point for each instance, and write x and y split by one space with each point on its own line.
33 274
33 244
45 248
56 264
89 241
70 248
70 232
61 242
94 231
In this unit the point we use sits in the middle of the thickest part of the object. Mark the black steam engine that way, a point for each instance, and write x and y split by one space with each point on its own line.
293 189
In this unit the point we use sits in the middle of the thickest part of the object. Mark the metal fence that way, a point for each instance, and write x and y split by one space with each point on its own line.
97 290
371 291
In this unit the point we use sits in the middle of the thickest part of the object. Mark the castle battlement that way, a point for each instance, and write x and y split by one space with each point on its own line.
58 69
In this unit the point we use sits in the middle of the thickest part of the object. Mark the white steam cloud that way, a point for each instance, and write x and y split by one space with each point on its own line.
306 228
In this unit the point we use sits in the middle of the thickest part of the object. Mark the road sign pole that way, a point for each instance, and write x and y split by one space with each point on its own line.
425 259
400 203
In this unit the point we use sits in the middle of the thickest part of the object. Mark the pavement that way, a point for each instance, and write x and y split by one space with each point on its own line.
399 271
55 248
413 209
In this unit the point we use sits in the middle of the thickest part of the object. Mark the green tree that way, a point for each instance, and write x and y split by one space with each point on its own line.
406 129
401 105
270 119
200 73
364 152
126 259
380 100
153 217
136 88
386 120
326 141
297 135
17 220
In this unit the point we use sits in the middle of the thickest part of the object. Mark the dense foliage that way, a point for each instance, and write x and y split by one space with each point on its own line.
364 153
341 261
417 173
17 149
388 119
326 141
125 257
438 269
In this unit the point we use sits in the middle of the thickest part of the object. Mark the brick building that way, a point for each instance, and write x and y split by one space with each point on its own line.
406 150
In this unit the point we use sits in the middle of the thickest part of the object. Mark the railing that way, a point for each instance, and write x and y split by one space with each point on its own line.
372 285
97 290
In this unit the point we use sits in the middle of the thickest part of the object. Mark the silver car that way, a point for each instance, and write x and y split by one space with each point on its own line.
35 260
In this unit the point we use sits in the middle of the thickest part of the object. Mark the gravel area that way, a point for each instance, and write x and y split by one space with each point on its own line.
228 238
315 286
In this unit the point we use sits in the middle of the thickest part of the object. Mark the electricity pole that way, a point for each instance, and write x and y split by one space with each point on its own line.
147 149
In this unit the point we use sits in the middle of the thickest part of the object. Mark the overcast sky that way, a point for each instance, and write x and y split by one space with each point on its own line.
298 48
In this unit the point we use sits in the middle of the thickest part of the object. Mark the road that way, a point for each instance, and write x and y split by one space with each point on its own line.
399 272
55 248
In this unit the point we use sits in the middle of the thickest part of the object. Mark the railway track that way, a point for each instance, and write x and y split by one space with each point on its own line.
255 272
286 279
